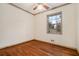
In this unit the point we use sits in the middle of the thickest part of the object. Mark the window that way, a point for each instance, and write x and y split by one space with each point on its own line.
54 23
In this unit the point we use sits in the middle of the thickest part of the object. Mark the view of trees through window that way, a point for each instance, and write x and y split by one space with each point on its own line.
55 23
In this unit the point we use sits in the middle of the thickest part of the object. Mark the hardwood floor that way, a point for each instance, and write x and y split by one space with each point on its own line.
37 48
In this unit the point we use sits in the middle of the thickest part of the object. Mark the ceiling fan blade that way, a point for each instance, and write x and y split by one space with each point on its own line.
35 8
45 6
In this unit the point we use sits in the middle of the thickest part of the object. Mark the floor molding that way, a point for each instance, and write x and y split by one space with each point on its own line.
15 44
55 44
37 40
37 48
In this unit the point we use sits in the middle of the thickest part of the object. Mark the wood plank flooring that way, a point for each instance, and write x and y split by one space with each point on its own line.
37 48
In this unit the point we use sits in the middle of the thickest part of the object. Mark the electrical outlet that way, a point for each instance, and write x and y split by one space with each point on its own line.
52 40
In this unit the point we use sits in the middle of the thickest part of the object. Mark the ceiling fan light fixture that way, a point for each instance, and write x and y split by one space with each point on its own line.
40 7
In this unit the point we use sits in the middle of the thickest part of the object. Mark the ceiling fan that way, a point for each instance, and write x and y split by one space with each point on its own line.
40 5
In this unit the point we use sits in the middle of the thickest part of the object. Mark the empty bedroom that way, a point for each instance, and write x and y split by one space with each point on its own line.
39 29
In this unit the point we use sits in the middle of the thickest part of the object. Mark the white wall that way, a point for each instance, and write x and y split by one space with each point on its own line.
16 26
77 12
68 38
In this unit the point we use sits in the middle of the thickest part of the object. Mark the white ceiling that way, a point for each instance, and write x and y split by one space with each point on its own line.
29 6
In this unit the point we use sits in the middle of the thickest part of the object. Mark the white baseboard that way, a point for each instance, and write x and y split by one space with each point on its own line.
56 44
14 44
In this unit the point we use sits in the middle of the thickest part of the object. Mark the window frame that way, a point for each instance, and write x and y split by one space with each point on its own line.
53 14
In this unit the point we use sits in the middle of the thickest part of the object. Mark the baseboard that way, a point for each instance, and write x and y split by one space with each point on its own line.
15 44
56 44
36 40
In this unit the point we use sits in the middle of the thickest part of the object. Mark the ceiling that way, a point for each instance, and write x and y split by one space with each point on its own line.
29 7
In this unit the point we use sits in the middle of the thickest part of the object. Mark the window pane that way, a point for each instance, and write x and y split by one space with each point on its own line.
54 23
